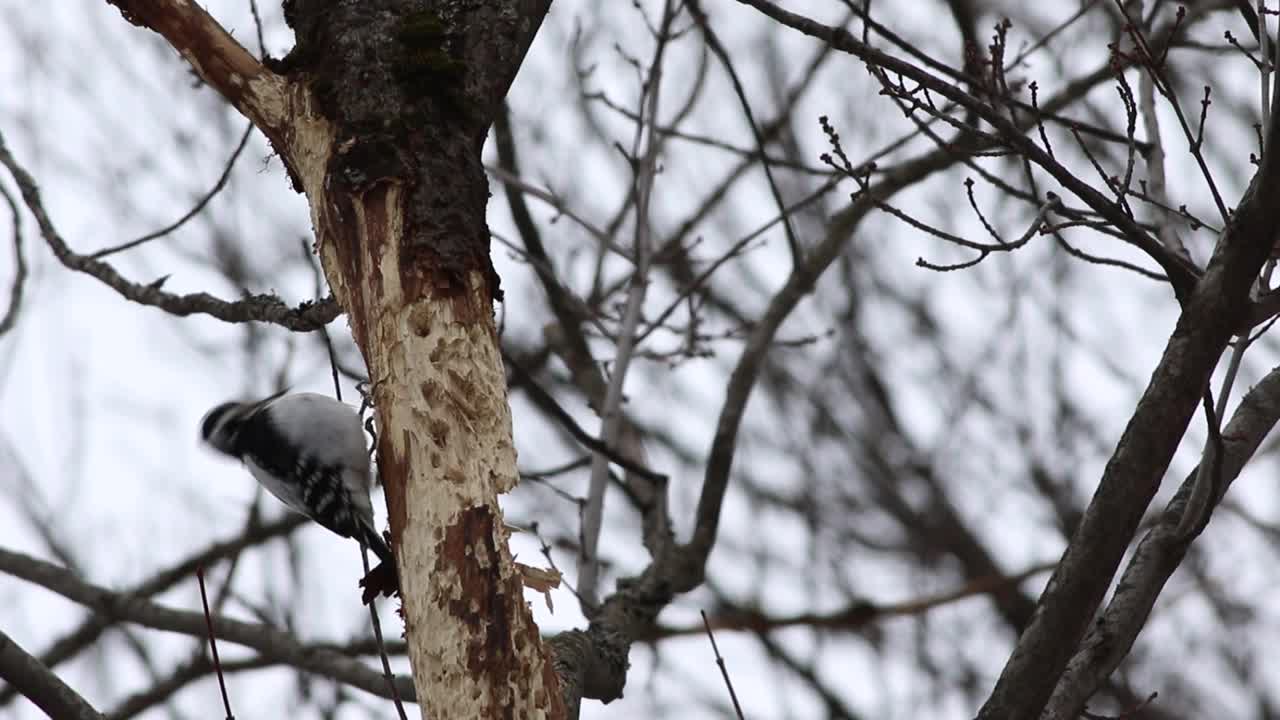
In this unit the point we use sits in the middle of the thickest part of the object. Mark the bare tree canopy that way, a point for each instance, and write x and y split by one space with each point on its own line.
838 358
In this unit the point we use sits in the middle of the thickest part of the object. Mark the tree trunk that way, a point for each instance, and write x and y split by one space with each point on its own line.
379 113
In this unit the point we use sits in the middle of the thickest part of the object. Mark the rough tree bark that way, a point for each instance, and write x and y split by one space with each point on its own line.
379 113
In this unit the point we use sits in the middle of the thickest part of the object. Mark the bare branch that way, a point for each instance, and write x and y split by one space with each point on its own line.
38 684
1158 555
269 642
217 58
612 421
199 666
262 308
854 616
1181 275
1133 474
195 209
92 628
592 663
793 242
547 403
19 264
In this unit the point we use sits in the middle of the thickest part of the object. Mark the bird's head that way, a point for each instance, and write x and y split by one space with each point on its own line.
221 426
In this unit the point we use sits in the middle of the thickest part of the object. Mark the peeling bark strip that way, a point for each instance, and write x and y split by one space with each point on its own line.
218 59
479 598
213 54
379 113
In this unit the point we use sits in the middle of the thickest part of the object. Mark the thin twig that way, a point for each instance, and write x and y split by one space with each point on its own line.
257 26
550 198
545 401
1156 185
1266 67
1181 275
713 42
20 265
377 635
213 644
195 210
1195 142
724 672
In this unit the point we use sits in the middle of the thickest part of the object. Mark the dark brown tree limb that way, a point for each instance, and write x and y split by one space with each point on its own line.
19 265
1157 556
216 57
36 682
1218 305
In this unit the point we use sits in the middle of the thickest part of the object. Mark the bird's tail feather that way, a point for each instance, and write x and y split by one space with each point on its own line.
383 579
375 543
